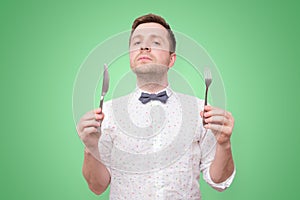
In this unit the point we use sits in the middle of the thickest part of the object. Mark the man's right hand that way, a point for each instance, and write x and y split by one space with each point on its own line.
88 128
95 173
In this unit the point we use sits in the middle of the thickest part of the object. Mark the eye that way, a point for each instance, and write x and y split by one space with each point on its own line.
136 43
156 43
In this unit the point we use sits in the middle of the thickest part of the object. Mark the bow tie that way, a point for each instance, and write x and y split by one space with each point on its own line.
162 97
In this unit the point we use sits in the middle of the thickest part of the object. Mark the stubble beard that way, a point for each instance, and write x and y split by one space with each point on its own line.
151 76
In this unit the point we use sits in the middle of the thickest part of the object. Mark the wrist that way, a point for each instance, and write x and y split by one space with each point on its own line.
86 151
225 145
89 151
91 154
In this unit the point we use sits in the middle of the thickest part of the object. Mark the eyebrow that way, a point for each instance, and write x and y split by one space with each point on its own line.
152 36
156 36
136 36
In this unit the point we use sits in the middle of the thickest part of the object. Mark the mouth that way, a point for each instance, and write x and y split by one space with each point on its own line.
144 58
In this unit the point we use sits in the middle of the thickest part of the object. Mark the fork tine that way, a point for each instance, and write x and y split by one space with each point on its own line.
207 76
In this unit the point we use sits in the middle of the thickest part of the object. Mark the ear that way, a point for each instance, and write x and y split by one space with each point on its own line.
172 60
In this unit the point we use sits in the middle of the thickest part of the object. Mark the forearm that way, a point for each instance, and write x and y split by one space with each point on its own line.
222 166
95 173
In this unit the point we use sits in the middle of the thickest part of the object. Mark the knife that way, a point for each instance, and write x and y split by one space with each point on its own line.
105 85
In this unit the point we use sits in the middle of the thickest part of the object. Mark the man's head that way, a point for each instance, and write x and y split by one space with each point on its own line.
151 42
151 18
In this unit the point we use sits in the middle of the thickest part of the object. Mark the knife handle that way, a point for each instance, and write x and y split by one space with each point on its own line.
101 102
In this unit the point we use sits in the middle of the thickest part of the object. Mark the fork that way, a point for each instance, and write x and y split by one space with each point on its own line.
105 85
208 80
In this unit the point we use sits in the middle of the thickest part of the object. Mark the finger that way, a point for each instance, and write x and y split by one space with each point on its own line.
204 111
88 123
90 130
217 128
97 110
99 117
207 108
201 114
85 135
218 112
88 116
214 112
217 120
92 115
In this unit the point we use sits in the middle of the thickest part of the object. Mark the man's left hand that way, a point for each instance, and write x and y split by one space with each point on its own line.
220 122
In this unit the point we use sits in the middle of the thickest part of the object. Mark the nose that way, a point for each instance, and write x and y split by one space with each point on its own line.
146 49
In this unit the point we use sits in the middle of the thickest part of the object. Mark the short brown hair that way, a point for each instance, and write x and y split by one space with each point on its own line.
156 19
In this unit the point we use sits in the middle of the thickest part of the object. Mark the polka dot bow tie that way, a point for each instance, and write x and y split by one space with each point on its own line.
162 97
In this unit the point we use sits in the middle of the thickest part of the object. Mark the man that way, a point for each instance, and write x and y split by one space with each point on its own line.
151 145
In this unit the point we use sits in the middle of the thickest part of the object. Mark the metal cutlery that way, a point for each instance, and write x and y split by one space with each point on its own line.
105 85
208 80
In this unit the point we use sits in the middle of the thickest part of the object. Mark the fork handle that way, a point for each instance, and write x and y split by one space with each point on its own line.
205 103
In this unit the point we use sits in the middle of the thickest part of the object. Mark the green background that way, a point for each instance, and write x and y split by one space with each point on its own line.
43 43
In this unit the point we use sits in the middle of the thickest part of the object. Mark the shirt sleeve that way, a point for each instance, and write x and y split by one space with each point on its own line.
218 186
208 150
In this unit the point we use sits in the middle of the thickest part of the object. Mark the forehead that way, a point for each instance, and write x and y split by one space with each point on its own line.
147 29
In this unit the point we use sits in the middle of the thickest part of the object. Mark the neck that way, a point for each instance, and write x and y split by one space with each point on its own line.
152 78
152 86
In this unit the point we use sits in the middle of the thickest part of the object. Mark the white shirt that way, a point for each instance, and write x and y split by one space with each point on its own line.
157 150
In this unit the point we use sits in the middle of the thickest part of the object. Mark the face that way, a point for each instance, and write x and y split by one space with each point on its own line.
149 44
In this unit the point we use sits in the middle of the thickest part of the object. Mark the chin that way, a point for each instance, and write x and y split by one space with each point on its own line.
150 68
146 62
